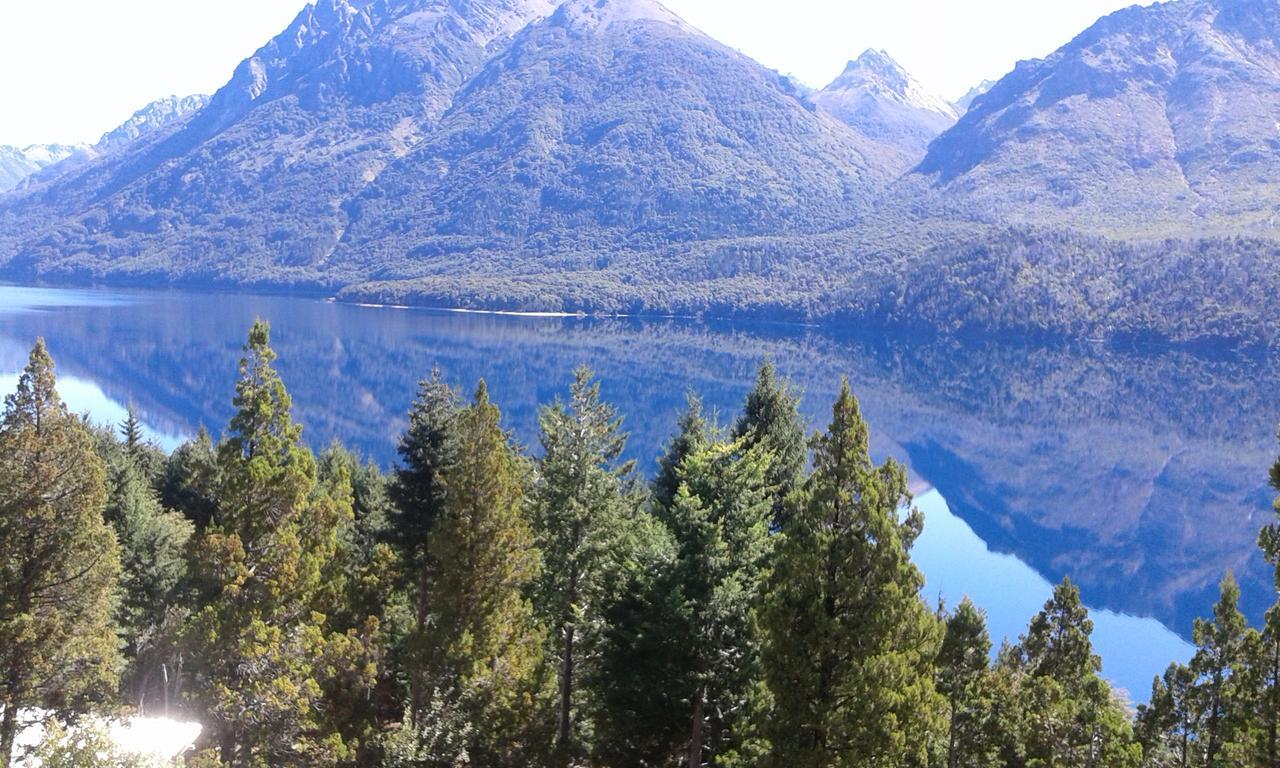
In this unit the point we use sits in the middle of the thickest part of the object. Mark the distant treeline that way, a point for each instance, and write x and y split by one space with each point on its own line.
754 604
1022 282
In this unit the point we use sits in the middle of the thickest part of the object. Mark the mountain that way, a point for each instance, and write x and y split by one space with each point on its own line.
16 164
606 128
966 101
155 116
381 138
882 101
1157 121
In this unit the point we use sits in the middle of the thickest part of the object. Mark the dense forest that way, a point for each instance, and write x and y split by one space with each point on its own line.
487 604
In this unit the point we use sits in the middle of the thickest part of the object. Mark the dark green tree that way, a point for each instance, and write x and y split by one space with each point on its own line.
585 522
1219 694
486 649
964 680
1263 681
190 478
273 676
418 493
693 434
1072 717
771 417
720 520
149 608
1166 724
59 560
850 646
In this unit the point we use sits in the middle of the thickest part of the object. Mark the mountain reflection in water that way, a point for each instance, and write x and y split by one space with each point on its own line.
1142 476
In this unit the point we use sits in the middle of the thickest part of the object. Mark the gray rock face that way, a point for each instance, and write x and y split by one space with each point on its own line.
1157 120
153 117
880 100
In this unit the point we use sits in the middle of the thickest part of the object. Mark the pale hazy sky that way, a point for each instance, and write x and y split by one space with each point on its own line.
76 68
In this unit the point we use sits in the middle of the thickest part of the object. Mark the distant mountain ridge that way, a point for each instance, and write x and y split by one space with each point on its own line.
17 163
1156 121
606 156
881 100
507 125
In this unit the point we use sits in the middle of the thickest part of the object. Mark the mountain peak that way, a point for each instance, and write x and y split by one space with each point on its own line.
876 72
603 14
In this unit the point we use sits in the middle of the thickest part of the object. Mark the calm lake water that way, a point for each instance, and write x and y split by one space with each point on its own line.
1141 476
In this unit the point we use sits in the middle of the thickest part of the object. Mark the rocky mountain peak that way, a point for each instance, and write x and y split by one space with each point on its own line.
603 14
876 72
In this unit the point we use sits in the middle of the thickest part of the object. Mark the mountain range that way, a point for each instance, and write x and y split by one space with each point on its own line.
604 155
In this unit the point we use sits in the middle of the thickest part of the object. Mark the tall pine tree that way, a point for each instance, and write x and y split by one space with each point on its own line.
720 519
584 518
1219 694
261 644
59 559
850 645
964 680
486 648
771 418
427 450
1071 716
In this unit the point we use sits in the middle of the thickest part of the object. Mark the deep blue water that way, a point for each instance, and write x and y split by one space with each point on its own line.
1142 476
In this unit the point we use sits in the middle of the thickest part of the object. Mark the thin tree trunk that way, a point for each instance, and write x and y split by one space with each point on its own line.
563 732
695 742
416 683
951 738
8 733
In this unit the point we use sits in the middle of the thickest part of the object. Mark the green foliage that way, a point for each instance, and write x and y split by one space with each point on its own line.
153 545
1219 694
850 646
418 492
59 560
720 521
86 745
771 419
484 648
584 522
269 663
965 680
189 480
1068 714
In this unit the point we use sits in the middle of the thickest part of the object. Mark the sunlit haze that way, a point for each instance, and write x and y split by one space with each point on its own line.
76 68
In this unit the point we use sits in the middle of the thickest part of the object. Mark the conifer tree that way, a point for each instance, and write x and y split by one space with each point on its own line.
153 541
131 429
1220 695
771 417
486 649
264 651
1072 717
693 434
427 450
1166 724
720 519
189 480
59 560
850 646
584 523
964 680
1263 652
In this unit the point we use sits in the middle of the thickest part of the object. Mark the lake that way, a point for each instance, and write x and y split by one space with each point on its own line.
1139 474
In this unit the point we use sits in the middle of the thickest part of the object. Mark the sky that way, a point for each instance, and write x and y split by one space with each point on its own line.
74 69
